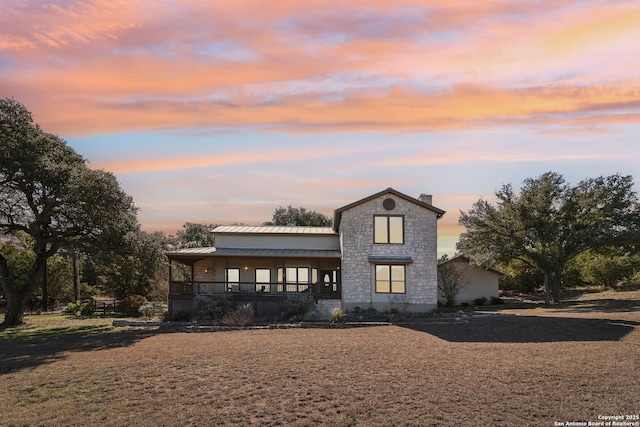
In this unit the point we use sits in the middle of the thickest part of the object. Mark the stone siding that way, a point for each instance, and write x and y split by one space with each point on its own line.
420 244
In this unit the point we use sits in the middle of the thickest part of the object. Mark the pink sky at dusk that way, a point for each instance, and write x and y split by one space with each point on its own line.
219 112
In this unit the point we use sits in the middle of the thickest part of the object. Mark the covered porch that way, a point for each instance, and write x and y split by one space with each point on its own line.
252 274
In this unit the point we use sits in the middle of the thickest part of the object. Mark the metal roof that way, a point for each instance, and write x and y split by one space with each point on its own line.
300 253
272 229
192 251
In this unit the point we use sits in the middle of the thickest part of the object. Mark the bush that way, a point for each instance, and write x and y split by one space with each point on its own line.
74 307
178 316
146 310
211 307
86 308
296 305
337 315
480 301
521 280
497 301
131 305
243 315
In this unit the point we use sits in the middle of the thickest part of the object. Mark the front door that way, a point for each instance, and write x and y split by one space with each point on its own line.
328 284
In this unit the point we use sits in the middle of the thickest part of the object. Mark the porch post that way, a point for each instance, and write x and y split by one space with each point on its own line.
284 276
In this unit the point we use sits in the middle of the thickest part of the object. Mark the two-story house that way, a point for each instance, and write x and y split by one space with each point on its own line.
381 253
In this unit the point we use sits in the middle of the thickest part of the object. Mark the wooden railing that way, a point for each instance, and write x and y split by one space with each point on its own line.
322 290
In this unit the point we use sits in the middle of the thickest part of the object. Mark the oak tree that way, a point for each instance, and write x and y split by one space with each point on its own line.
550 222
49 194
291 216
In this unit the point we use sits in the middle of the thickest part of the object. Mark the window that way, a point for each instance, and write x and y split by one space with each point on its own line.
388 229
233 279
390 279
263 280
295 276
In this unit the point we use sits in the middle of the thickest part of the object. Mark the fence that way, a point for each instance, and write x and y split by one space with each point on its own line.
105 306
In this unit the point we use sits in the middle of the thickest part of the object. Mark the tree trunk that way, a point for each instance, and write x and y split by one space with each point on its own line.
76 294
546 288
16 303
555 286
17 298
45 290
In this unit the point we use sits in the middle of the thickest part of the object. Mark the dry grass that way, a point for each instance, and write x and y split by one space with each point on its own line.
572 362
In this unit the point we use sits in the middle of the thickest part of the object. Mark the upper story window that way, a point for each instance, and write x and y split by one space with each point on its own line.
388 229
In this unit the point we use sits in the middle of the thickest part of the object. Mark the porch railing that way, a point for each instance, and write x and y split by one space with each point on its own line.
321 290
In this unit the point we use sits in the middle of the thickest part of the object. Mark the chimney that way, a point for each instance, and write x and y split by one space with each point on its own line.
425 198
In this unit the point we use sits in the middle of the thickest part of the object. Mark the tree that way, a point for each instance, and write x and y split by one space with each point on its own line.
453 277
48 193
195 235
550 223
298 217
59 279
603 269
137 269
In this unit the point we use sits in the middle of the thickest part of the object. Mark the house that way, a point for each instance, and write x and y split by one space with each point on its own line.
381 253
481 282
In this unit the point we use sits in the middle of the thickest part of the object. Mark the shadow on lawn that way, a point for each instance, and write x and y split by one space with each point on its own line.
529 329
39 350
597 305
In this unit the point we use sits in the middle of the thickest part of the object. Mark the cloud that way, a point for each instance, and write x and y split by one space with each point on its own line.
96 67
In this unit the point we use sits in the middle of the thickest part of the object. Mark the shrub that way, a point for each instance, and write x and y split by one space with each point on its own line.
243 315
132 304
88 308
212 307
480 301
178 316
146 310
497 300
337 315
74 307
296 305
464 304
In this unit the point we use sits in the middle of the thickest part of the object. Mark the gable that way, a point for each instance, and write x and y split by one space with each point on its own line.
337 217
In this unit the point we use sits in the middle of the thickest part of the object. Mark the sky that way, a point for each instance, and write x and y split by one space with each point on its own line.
218 112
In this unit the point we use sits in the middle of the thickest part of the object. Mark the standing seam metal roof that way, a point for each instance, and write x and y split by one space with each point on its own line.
272 229
312 253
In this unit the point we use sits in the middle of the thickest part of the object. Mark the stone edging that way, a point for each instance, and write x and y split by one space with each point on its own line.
196 327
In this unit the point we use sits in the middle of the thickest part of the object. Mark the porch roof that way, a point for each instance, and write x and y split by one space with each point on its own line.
248 252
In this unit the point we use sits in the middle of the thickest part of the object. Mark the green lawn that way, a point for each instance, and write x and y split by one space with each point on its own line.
55 324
